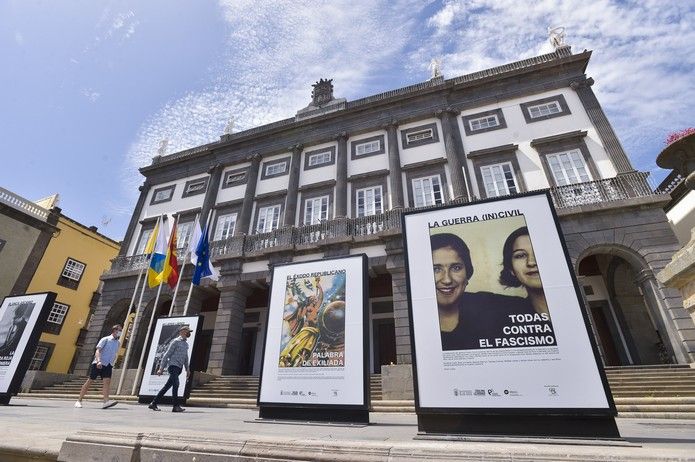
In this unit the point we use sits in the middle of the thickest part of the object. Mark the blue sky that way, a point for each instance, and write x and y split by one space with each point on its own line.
88 88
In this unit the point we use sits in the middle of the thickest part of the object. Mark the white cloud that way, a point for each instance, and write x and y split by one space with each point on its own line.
19 38
91 94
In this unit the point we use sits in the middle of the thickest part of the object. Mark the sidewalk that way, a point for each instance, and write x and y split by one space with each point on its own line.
36 427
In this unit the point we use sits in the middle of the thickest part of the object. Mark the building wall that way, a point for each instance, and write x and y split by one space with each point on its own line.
20 239
682 217
79 243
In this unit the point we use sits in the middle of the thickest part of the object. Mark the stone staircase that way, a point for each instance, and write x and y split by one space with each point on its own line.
639 391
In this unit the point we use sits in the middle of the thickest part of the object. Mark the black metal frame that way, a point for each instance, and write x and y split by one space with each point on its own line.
146 399
28 353
323 412
544 422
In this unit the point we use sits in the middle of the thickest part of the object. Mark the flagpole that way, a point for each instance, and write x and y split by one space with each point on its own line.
133 333
183 266
144 345
190 288
127 315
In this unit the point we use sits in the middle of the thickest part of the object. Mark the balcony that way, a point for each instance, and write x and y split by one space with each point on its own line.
372 228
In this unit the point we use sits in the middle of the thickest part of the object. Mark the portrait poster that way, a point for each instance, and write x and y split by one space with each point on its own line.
496 316
21 320
166 330
314 351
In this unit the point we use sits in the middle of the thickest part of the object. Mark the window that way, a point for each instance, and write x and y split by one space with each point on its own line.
184 231
73 269
369 201
499 180
315 210
56 317
144 237
234 178
541 110
319 158
275 169
164 194
420 135
368 147
568 167
482 123
268 219
545 108
427 191
225 226
41 356
195 187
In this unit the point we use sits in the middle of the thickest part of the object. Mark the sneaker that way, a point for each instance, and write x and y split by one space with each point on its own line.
177 408
78 404
109 404
154 407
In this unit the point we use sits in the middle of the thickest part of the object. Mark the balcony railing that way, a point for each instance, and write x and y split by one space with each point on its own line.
622 187
19 203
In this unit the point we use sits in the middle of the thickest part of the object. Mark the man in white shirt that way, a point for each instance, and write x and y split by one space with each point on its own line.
102 365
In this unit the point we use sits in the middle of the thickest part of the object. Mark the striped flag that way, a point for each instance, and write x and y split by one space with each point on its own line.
159 254
170 272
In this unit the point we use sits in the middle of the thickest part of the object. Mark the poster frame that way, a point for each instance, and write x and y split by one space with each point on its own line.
32 342
186 392
510 420
358 413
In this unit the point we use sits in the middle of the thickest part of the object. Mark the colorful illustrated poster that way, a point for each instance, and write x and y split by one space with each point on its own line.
314 350
166 330
496 315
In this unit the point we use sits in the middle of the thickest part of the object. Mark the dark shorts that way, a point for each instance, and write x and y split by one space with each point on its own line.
104 372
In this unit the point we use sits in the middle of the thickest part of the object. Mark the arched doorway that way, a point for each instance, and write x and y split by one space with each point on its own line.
162 310
116 315
623 319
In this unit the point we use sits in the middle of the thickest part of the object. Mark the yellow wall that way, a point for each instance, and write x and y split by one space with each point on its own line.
79 243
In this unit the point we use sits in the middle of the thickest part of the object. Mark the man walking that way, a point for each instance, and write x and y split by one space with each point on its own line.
102 365
174 360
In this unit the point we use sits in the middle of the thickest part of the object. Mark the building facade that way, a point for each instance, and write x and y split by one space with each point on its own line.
335 179
47 251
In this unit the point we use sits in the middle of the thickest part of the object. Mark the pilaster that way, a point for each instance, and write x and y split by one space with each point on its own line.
605 131
247 205
341 177
144 190
395 174
454 152
293 185
211 193
395 265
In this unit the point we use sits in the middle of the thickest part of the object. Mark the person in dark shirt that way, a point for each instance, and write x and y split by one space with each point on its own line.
466 319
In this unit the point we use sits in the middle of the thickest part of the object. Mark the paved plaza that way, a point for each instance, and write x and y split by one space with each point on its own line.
39 427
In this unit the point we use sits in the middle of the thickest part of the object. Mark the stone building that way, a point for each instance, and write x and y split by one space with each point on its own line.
335 178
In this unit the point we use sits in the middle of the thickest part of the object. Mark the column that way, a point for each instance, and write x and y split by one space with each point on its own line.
454 152
246 207
394 165
341 177
293 185
144 190
395 265
211 193
605 131
225 350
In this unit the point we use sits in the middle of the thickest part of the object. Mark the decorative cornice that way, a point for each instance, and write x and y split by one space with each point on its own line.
320 184
493 150
296 149
577 134
447 111
392 124
375 173
424 163
217 168
342 136
582 83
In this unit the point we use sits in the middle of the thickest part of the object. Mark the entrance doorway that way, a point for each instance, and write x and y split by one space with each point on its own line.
384 343
248 350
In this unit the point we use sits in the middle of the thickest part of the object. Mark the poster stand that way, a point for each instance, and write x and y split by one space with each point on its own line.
27 342
328 407
196 322
465 415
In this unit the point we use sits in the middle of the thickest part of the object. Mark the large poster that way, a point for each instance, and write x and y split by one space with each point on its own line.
314 350
166 331
19 317
496 316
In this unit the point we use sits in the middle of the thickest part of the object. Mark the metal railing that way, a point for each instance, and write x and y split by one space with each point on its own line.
19 203
626 186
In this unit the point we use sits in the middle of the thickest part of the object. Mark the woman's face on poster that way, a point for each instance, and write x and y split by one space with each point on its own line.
449 275
524 263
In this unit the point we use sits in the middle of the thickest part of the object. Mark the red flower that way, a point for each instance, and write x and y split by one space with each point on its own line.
675 136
